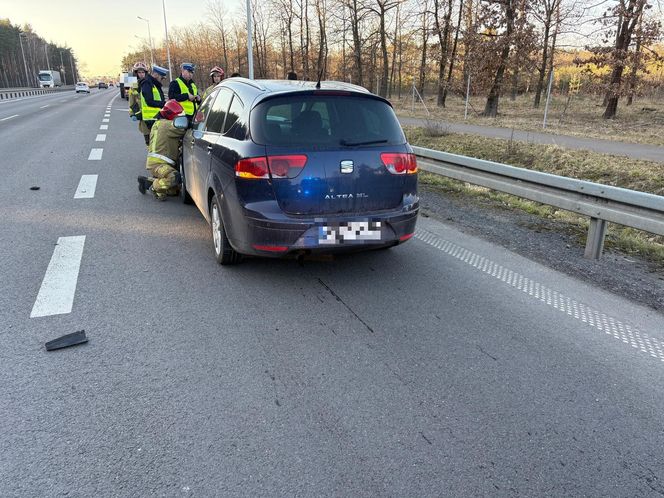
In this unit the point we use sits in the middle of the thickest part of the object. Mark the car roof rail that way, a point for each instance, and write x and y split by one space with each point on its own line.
249 82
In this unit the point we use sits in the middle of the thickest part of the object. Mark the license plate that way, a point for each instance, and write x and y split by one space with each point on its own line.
349 232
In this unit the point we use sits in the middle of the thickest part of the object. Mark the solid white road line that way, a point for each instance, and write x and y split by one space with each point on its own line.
9 117
42 107
95 154
103 127
56 294
104 120
86 187
100 138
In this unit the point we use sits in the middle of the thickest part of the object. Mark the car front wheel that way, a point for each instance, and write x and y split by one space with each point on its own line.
223 252
184 195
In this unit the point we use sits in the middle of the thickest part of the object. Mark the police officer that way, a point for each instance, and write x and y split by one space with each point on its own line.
140 70
163 153
184 90
216 75
152 95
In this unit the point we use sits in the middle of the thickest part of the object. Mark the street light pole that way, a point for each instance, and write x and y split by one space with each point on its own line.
25 66
150 40
168 46
250 52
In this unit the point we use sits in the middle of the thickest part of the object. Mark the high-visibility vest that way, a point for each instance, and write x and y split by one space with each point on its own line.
187 105
148 112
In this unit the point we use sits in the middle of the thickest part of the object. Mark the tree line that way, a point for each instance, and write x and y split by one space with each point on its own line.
23 53
493 47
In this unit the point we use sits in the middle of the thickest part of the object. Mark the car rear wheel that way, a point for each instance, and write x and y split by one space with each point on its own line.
223 252
184 195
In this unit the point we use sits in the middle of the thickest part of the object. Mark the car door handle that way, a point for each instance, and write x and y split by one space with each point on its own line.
193 141
209 148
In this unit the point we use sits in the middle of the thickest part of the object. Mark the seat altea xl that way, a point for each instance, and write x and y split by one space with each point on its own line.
290 167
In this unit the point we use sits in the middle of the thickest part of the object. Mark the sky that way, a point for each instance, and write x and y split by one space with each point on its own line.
101 32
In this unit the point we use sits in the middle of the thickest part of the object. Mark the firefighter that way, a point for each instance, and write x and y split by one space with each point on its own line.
216 75
152 95
184 90
163 153
140 70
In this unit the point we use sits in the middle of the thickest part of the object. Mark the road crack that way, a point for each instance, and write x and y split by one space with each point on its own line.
347 307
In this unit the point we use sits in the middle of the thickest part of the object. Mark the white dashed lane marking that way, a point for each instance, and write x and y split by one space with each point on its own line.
9 117
103 127
44 106
571 307
95 154
104 120
86 187
56 294
100 138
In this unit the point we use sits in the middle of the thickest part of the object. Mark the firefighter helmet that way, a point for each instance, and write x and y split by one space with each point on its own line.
140 66
217 70
172 108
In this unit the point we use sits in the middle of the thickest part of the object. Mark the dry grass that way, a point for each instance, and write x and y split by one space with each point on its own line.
642 122
627 173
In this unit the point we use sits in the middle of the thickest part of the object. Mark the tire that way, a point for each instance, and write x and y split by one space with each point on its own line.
184 195
223 252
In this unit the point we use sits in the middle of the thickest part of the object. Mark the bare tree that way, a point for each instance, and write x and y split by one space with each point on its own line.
508 16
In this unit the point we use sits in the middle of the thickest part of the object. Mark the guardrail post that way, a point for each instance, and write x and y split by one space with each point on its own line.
595 241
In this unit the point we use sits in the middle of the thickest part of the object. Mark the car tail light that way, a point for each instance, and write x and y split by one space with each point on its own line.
399 163
253 168
404 238
286 166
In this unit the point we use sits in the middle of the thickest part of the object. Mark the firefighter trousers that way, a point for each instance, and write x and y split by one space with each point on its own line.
166 180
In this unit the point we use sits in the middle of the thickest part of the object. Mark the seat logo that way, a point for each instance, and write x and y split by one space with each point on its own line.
346 166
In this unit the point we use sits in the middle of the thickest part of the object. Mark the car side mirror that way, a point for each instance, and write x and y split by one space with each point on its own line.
181 123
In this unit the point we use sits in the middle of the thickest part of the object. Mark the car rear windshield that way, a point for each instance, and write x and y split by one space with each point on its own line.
325 120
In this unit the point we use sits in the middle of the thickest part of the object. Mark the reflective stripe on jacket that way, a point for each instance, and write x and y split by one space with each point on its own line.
187 105
164 143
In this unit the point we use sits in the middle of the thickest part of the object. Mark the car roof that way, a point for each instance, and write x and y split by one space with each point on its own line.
256 91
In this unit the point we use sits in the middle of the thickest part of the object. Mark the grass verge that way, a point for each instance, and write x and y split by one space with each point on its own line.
622 172
642 122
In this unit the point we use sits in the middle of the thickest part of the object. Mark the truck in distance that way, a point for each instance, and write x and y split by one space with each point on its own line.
49 79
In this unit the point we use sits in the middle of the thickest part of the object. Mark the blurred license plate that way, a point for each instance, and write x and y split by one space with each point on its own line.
347 232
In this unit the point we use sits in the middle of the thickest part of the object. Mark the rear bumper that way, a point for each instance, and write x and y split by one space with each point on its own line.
289 235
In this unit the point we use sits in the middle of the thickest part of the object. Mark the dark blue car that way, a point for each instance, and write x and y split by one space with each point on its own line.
291 167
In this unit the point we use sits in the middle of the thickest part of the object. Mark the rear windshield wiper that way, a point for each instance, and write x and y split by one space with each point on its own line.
353 144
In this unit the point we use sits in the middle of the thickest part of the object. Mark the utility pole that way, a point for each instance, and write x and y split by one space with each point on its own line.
62 65
250 52
168 45
25 66
71 62
48 64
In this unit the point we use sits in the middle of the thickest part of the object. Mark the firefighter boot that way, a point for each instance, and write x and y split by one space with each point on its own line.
144 184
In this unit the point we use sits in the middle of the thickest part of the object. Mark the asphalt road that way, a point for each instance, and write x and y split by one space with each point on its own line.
444 367
613 147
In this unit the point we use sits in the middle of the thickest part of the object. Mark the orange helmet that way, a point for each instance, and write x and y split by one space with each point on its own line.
218 70
172 108
140 66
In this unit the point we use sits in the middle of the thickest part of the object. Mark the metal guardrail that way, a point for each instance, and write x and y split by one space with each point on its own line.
602 203
14 93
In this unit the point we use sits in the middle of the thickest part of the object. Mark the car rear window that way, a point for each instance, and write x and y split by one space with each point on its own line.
325 120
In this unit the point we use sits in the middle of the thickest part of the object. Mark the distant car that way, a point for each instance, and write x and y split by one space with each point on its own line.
82 87
111 84
101 85
290 168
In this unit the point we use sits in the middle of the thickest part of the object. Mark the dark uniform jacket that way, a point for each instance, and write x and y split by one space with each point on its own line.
174 90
